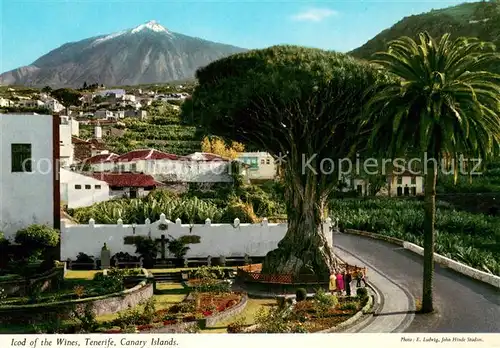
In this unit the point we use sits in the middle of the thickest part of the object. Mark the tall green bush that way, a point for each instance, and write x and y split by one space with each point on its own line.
37 238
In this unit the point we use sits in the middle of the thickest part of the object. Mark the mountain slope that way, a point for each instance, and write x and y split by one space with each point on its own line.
478 19
148 53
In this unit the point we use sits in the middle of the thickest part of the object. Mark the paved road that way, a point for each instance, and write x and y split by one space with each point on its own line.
463 304
394 308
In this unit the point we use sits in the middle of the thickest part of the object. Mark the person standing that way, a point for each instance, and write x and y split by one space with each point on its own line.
340 283
347 282
360 277
333 281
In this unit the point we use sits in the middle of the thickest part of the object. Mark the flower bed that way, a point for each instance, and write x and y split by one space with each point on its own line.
195 310
321 313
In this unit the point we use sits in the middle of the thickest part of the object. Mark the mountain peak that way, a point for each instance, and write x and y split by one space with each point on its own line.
151 25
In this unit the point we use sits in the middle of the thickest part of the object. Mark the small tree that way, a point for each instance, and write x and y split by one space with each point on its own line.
35 239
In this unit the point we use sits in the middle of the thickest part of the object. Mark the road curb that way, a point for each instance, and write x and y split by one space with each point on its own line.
411 301
458 267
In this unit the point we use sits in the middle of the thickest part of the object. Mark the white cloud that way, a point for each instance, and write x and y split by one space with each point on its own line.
314 15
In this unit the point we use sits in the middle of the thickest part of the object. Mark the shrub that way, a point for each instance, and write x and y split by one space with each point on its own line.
300 294
237 326
87 319
324 299
149 310
362 292
37 238
177 248
243 211
349 306
84 258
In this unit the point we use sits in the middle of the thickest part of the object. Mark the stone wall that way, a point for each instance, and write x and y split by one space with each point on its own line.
129 298
107 304
16 285
231 312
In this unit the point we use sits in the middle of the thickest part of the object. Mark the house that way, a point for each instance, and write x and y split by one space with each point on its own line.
132 185
114 132
100 163
103 114
67 129
261 165
139 114
204 167
79 190
29 180
128 97
147 161
119 114
5 103
116 93
406 183
30 103
54 106
397 184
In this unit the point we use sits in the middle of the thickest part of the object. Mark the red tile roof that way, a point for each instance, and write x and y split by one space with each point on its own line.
104 158
127 179
146 154
205 157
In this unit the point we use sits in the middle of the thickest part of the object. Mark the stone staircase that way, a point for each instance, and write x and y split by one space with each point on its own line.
168 277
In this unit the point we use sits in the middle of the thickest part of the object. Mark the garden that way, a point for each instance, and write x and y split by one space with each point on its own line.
321 313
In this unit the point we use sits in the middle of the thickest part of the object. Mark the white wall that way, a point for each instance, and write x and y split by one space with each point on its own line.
66 148
26 198
83 197
216 239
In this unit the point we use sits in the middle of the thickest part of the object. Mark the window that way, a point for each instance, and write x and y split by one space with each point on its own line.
268 161
133 167
400 180
414 191
413 180
78 187
21 158
88 187
97 187
262 161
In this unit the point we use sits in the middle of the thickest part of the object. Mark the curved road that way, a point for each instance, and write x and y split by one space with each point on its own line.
463 305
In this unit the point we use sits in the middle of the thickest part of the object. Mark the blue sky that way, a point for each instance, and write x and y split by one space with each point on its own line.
30 29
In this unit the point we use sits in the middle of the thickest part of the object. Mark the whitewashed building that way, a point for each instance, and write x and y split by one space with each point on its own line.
68 127
29 180
406 184
31 103
53 105
79 190
261 165
4 103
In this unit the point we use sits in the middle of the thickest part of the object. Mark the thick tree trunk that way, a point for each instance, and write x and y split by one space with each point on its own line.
429 238
304 249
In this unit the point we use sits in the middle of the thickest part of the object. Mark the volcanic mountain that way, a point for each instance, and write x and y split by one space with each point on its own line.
473 19
145 54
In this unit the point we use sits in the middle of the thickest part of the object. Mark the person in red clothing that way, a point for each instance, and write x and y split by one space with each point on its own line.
340 283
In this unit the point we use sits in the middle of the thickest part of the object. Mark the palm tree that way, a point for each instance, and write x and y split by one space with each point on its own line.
440 99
